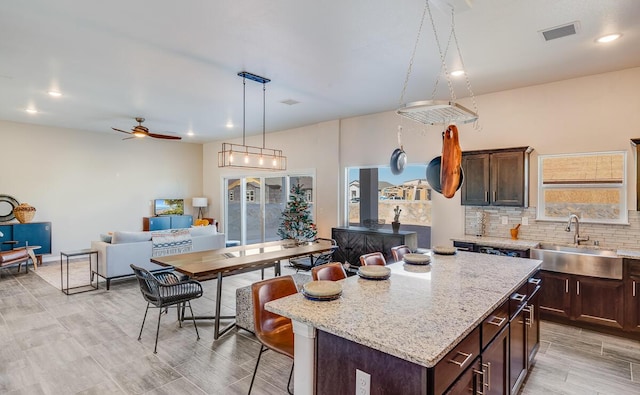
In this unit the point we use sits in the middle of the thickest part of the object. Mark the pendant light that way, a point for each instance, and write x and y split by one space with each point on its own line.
247 156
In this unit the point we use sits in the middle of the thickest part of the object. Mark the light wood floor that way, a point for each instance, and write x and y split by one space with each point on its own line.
51 343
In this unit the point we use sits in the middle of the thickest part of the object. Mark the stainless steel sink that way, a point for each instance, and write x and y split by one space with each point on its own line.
579 260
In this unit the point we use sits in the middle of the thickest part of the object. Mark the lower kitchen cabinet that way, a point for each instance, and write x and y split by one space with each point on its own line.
533 326
591 300
495 365
632 296
518 350
470 382
555 298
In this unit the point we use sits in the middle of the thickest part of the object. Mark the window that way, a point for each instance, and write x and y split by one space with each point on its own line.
590 185
257 218
409 191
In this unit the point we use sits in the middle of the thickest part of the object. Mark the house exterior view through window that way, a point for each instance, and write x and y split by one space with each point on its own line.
256 218
373 194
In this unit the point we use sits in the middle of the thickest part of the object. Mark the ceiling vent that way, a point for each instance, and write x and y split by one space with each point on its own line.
560 31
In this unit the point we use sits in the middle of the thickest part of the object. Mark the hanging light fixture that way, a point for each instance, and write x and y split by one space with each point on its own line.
247 156
438 112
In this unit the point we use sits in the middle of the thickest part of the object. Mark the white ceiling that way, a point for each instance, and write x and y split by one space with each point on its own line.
175 62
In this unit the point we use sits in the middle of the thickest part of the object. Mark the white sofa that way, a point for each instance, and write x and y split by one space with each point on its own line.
125 248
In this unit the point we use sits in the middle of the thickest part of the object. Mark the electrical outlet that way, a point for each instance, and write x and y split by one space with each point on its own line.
363 383
525 220
505 220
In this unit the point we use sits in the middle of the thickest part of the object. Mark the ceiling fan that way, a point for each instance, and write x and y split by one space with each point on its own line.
142 131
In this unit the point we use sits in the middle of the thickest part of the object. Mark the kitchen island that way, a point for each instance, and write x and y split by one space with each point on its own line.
398 330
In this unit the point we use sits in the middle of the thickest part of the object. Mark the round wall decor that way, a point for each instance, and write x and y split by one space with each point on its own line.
7 204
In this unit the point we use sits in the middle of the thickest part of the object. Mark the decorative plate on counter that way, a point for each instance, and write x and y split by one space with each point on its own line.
374 272
444 250
417 259
322 290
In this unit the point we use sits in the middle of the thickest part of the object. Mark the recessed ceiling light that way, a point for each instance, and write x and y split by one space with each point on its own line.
457 73
55 93
190 133
229 125
608 38
31 110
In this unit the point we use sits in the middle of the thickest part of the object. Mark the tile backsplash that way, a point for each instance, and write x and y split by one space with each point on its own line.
608 236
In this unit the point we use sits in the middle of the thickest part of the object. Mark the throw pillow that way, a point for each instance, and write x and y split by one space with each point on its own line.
201 222
203 230
121 237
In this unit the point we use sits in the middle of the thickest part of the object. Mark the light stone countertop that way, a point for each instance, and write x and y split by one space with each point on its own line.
498 242
421 312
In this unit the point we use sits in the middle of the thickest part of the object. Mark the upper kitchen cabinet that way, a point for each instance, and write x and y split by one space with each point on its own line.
497 177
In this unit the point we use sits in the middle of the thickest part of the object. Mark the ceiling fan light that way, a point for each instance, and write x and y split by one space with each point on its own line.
139 134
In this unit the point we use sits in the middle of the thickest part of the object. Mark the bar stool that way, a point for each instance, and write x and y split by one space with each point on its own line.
399 251
274 331
333 271
374 258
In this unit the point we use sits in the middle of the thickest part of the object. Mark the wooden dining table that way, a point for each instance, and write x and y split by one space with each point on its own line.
224 262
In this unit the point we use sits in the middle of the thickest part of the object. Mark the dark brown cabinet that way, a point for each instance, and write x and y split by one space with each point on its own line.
496 177
355 241
470 382
495 364
632 296
595 301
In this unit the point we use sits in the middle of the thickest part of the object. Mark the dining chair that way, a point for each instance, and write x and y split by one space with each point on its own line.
274 331
398 252
309 261
164 290
374 258
333 271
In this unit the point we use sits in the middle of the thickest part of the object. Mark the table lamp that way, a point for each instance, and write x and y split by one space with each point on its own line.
199 202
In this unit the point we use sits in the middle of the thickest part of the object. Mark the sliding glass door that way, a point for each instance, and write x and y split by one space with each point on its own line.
254 205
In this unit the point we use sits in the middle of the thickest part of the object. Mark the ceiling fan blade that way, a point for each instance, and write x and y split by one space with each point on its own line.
164 136
119 130
129 138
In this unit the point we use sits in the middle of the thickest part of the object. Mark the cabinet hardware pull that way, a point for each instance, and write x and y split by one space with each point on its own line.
497 321
634 289
518 297
466 358
494 196
535 281
529 320
486 194
488 376
482 384
566 286
577 287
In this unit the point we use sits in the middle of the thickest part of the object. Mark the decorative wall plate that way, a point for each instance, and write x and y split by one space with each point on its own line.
7 204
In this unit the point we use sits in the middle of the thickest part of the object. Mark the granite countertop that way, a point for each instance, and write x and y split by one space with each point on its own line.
421 312
498 242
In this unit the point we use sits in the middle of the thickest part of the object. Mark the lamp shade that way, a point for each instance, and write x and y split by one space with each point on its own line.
199 202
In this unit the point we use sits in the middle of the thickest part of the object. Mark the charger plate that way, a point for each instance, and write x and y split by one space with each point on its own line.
322 290
416 259
444 250
374 272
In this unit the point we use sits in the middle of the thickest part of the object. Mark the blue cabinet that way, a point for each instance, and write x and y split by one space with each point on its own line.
35 233
166 222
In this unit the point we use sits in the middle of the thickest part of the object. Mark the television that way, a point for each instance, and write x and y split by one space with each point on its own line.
168 207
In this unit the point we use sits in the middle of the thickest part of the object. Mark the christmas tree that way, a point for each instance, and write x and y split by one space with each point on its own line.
296 221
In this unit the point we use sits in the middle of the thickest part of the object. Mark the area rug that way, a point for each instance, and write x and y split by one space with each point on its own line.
78 273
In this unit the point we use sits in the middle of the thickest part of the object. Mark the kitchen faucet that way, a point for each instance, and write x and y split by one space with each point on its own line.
576 235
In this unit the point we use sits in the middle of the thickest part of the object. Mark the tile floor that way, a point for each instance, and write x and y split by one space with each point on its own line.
51 343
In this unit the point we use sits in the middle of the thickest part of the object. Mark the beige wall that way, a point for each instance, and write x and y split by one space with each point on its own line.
92 183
